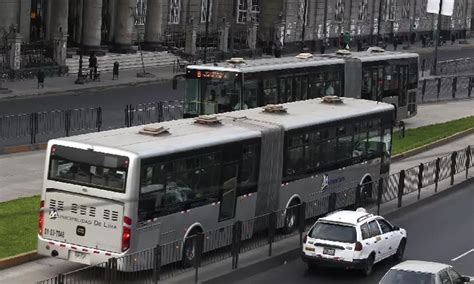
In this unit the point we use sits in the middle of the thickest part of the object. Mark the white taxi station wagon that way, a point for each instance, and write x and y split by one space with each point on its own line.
352 239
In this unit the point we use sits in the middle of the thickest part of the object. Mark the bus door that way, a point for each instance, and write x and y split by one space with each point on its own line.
403 73
372 83
228 191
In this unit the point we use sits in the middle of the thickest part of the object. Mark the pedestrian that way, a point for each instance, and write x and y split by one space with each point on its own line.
92 64
40 76
277 45
423 41
395 43
453 38
346 40
359 45
115 71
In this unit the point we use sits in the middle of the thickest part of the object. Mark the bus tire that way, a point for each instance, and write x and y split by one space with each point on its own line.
291 217
190 248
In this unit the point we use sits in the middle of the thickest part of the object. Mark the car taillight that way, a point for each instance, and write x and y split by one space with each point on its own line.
358 246
126 233
41 218
305 238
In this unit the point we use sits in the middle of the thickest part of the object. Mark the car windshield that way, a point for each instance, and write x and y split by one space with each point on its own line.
394 276
333 232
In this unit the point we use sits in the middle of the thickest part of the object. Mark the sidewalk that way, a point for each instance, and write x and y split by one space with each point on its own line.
56 85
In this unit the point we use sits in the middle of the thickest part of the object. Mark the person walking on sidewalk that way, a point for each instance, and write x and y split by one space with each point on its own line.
92 64
115 71
40 76
395 43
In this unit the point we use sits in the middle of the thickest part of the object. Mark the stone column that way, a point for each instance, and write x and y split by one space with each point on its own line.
60 48
9 13
111 20
78 21
252 35
124 22
224 36
191 37
92 23
59 17
14 50
25 19
153 25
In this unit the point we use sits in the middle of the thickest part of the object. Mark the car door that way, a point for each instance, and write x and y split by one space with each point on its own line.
375 242
389 240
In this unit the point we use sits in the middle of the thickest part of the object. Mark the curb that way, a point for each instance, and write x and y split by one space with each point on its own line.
22 148
19 259
87 89
432 145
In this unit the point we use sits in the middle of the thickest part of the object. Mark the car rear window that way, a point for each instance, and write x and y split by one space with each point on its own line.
334 232
394 276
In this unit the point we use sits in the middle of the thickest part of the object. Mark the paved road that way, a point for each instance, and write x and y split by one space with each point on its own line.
437 231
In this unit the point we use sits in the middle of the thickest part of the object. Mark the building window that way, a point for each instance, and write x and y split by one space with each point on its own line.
140 12
459 11
424 4
339 11
248 10
174 11
389 10
406 9
363 10
204 10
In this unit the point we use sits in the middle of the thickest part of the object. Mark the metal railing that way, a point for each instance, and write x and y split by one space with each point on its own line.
165 261
448 67
445 88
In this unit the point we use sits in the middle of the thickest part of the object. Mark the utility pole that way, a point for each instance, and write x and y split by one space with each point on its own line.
438 32
80 79
208 8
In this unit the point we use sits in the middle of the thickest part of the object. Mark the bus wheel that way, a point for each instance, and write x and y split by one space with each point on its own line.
190 249
291 217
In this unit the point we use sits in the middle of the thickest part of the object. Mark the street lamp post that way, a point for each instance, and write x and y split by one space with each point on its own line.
438 32
80 78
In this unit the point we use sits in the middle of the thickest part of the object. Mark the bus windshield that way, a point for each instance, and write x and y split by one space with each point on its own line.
210 92
84 167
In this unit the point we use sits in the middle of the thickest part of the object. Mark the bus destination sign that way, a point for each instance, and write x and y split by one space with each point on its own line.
210 74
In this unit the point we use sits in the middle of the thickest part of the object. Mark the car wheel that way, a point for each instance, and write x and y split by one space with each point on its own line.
190 250
398 256
367 271
291 219
312 265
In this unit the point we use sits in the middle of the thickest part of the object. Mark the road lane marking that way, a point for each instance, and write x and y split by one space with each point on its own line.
463 255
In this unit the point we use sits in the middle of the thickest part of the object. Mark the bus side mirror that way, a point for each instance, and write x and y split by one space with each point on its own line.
174 83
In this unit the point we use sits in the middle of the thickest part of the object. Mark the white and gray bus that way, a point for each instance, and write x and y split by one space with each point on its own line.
121 191
378 75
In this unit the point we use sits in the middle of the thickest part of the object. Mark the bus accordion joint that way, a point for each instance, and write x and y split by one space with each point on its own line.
271 108
207 120
331 100
154 130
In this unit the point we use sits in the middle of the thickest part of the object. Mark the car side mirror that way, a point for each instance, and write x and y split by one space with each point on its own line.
396 228
465 279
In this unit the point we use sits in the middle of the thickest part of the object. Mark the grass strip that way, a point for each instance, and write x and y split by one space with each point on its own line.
18 226
417 137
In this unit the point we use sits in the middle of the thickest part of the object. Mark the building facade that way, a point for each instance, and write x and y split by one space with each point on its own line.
117 25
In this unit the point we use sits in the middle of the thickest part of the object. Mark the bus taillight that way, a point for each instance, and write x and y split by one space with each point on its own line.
41 218
126 233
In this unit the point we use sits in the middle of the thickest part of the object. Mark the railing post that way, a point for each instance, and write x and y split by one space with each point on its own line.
332 202
236 238
420 179
453 166
439 88
67 122
357 197
423 91
469 87
423 63
160 111
59 279
379 194
401 187
271 229
454 86
302 220
199 249
32 127
112 270
156 263
468 160
126 113
99 119
437 170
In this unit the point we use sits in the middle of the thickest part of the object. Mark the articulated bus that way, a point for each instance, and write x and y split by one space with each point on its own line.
117 192
379 75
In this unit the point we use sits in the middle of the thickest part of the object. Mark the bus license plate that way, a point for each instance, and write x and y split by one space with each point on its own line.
79 257
329 251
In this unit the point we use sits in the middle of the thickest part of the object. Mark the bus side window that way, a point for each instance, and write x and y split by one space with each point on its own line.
270 91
